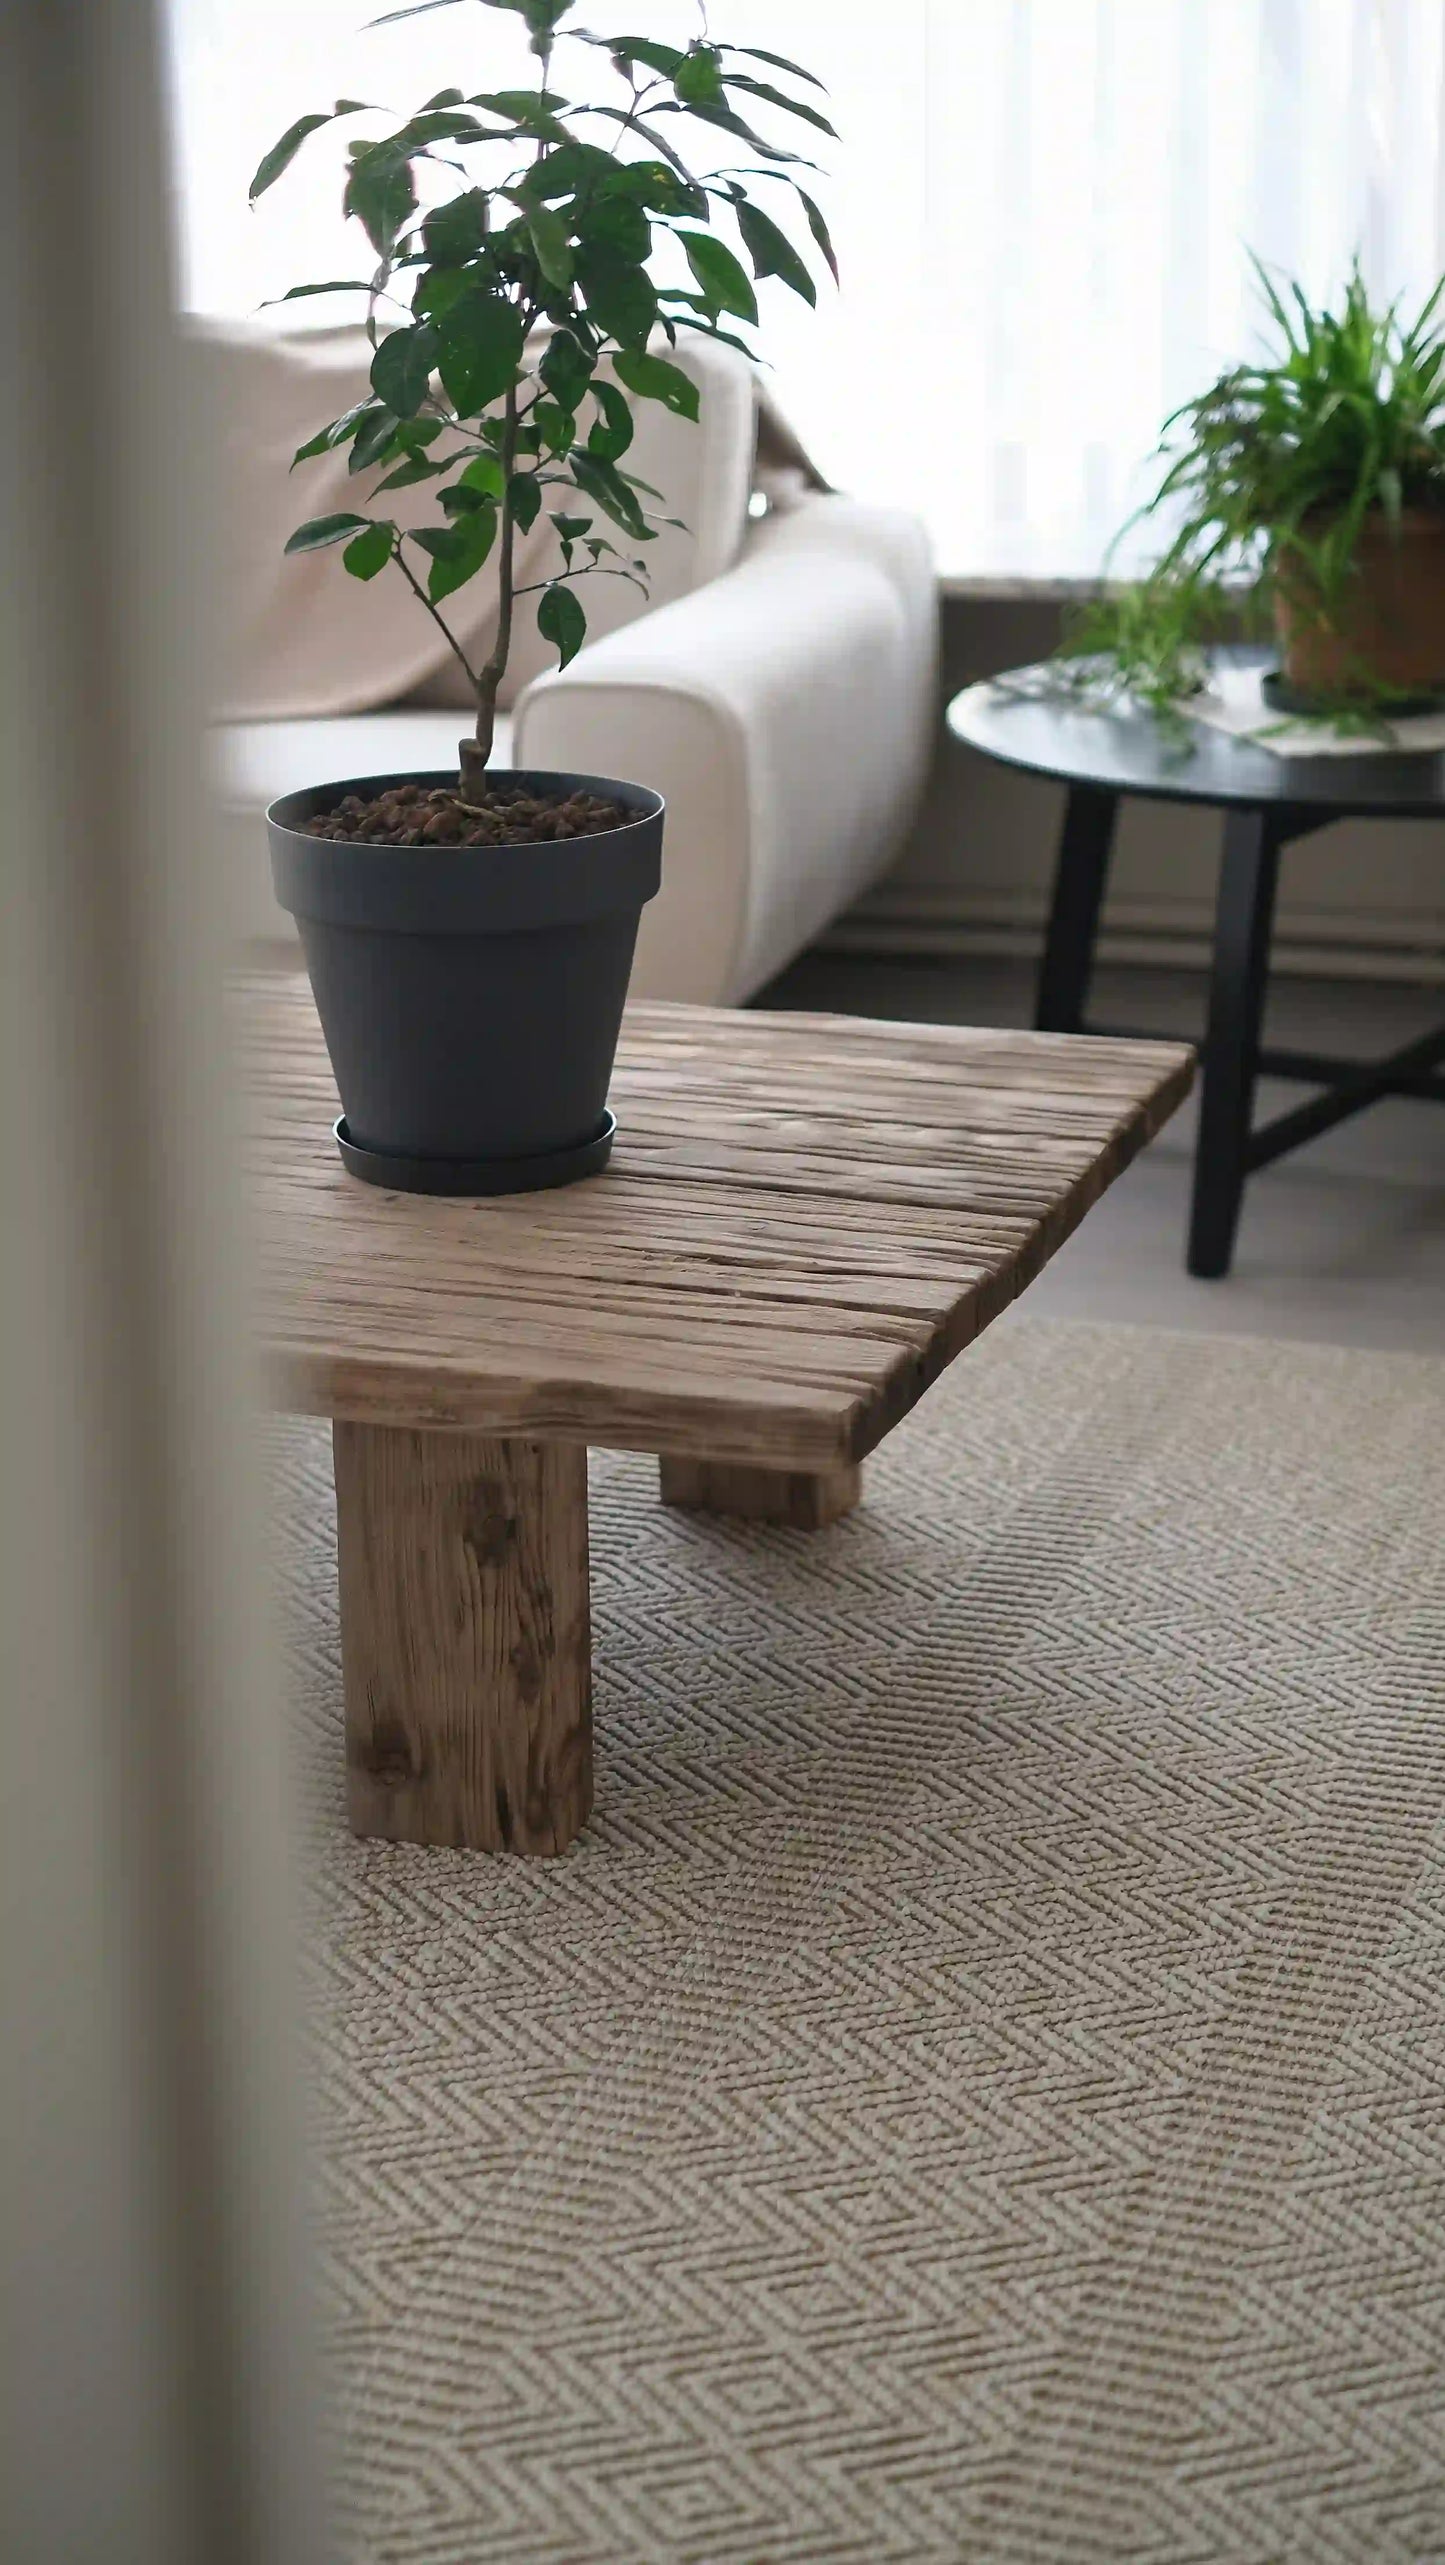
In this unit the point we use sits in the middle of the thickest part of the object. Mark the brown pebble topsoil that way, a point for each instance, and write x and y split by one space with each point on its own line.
419 815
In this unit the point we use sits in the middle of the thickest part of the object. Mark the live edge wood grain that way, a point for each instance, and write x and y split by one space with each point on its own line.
465 1646
806 1499
806 1217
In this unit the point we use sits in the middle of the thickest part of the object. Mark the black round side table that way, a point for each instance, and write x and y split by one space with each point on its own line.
1267 801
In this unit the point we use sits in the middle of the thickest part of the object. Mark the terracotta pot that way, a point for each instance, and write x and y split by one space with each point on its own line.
1387 630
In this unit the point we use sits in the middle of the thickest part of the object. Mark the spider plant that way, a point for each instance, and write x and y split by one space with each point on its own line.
1272 478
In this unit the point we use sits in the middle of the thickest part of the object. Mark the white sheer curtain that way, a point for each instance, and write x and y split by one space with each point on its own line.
1042 210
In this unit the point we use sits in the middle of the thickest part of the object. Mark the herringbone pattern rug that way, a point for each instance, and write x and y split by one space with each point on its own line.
978 2089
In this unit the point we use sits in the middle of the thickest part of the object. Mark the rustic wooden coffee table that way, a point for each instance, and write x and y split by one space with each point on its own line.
806 1217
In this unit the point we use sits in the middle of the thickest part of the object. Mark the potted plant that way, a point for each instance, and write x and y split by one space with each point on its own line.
1304 494
469 936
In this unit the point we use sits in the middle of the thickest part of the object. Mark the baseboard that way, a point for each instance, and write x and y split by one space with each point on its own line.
1355 944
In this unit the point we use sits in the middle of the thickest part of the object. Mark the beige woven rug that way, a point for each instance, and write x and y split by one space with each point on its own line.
978 2088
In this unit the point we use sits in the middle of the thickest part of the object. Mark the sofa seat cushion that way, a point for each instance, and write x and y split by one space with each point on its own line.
253 762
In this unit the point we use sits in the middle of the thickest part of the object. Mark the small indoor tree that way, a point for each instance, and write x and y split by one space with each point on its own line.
531 248
1302 491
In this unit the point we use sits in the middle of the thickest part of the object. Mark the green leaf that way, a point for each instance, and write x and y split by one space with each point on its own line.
556 428
620 297
373 440
818 228
599 480
722 280
442 542
380 192
653 379
698 77
696 195
515 104
611 434
660 188
456 231
319 531
541 16
484 473
447 124
525 494
334 434
711 329
402 369
282 153
525 110
460 501
550 241
643 49
777 98
438 288
407 474
473 541
338 285
567 170
618 224
419 9
566 368
369 552
771 251
562 621
731 123
480 349
779 62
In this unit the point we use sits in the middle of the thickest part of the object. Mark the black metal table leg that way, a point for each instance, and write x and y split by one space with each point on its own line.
1243 921
1023 720
1081 873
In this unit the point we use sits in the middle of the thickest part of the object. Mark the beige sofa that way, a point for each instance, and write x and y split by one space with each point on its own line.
778 688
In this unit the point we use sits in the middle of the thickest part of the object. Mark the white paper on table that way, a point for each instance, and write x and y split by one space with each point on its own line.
1234 701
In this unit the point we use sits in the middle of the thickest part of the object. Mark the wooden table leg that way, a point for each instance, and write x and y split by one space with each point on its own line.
465 1637
805 1498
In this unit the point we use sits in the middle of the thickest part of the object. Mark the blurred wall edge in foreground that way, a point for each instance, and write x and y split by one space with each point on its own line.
156 2373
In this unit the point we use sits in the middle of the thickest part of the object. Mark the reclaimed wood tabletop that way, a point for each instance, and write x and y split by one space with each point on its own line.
805 1218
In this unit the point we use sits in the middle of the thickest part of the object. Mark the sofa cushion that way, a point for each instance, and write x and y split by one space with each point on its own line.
253 762
786 713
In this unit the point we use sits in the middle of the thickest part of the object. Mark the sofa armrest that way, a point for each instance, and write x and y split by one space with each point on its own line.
785 711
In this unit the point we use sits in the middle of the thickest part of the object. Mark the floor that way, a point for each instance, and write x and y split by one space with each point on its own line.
971 2096
1341 1243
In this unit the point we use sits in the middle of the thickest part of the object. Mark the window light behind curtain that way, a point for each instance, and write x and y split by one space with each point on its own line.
1041 209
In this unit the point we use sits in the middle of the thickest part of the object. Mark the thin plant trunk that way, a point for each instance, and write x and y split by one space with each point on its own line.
476 752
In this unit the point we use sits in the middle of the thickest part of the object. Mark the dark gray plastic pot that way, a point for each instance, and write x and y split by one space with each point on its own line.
471 996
